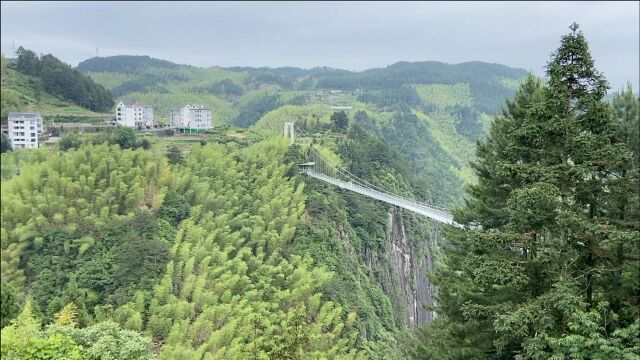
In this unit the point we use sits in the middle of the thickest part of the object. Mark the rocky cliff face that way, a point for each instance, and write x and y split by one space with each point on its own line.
403 269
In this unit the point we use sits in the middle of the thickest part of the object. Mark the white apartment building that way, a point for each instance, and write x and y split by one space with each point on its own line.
134 115
24 128
191 117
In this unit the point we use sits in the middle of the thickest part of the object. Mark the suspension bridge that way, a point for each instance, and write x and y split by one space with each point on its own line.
320 166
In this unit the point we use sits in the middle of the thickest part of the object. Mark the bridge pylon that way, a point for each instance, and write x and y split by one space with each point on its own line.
289 131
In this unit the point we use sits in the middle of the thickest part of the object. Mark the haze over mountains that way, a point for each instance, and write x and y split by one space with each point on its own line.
354 36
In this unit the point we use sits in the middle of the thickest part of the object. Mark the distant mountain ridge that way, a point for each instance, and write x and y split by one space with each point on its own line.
136 63
431 112
123 64
489 83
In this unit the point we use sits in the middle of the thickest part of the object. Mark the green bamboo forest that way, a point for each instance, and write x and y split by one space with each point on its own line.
125 244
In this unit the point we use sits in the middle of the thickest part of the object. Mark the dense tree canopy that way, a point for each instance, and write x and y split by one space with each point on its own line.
123 64
5 143
219 285
61 80
340 120
547 264
120 246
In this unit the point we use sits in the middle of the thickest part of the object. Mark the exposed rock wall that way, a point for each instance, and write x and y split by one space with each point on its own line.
403 271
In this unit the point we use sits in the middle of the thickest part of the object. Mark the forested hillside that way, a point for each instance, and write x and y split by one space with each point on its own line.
547 264
431 112
134 245
52 88
225 253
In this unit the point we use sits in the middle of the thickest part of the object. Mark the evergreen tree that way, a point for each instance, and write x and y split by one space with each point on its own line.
60 79
27 62
626 106
340 120
547 262
174 155
9 306
5 143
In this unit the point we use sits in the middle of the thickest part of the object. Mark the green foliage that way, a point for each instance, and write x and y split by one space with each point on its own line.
351 236
27 62
100 235
67 316
12 162
222 111
61 80
104 340
16 336
9 306
11 100
225 87
228 255
421 153
442 95
626 107
5 143
175 208
24 339
174 155
123 64
143 83
290 344
145 144
393 97
125 137
340 120
310 117
70 141
50 348
253 107
484 79
109 79
198 290
21 92
546 265
227 267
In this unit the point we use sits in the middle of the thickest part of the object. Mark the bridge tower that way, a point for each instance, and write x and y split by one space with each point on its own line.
289 131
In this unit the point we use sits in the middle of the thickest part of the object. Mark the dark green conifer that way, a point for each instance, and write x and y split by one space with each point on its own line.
546 265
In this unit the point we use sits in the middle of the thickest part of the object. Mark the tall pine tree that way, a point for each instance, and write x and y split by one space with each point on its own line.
547 262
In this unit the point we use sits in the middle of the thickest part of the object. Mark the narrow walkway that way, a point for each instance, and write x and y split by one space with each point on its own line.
422 209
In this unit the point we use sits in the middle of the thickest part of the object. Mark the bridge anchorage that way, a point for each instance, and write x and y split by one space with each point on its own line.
320 167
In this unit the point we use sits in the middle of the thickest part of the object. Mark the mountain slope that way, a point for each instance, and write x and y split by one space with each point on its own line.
23 93
440 108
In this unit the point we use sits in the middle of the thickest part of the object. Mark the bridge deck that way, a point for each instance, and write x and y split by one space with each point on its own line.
425 210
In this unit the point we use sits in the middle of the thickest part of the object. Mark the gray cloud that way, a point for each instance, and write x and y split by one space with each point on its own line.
349 35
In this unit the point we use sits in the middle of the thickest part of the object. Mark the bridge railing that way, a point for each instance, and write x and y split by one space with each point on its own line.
328 171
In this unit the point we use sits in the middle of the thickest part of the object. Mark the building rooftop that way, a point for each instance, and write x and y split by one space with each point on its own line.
134 103
194 106
24 114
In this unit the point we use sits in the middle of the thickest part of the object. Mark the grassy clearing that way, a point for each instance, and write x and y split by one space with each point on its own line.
110 80
443 95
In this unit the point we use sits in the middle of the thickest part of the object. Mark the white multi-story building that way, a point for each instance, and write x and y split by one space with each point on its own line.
24 129
134 115
191 117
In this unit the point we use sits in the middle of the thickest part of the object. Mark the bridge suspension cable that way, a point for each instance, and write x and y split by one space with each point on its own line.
327 170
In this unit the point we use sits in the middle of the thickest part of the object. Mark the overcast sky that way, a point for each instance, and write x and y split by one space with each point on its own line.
347 35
